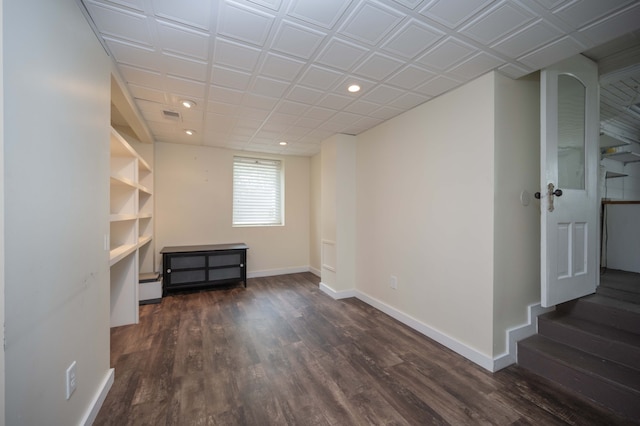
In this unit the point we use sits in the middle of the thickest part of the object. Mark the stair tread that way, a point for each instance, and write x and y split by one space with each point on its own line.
611 302
606 331
621 280
617 313
620 294
609 371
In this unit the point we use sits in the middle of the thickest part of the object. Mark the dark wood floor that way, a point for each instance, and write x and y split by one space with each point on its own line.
283 353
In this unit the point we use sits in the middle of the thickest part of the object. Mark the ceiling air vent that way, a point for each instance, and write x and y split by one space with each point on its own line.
171 115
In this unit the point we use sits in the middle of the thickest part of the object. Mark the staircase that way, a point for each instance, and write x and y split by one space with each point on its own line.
592 345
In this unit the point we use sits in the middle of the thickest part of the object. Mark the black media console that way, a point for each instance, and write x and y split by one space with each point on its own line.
195 267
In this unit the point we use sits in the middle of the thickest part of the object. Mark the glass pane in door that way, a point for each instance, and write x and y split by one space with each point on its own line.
571 136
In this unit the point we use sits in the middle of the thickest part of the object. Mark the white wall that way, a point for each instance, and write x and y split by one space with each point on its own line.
516 226
425 213
193 196
328 233
2 381
56 151
621 225
622 188
315 232
439 207
338 213
346 212
622 237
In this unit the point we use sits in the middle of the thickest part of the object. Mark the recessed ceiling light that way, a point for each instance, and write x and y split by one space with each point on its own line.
283 143
187 103
190 132
354 88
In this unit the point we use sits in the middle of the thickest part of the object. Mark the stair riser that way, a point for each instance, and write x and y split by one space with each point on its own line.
597 345
617 398
607 315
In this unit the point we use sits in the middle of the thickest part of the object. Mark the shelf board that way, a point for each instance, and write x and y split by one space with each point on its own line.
624 157
120 147
119 180
611 175
144 189
607 141
144 239
145 215
121 217
142 164
610 201
118 253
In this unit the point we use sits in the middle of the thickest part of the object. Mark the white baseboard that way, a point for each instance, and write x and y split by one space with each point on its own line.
515 334
98 399
315 271
343 294
491 364
471 354
273 272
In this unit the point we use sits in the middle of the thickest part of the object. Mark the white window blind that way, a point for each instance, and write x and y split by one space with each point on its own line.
257 191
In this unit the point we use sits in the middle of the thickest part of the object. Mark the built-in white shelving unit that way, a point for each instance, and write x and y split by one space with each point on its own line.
617 149
131 227
145 217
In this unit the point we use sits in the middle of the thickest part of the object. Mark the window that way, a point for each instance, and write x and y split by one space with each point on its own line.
257 192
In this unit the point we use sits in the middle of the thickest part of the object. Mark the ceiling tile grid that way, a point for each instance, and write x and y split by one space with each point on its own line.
452 13
194 13
531 37
341 54
183 41
324 14
265 71
578 13
121 23
244 24
236 55
296 40
320 78
411 39
626 20
370 22
497 22
409 77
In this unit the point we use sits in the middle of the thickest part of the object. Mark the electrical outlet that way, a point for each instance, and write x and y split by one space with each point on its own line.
393 282
71 379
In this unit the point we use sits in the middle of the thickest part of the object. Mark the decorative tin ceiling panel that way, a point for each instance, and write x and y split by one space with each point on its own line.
262 71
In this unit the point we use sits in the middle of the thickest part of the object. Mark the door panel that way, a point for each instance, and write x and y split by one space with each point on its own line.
569 176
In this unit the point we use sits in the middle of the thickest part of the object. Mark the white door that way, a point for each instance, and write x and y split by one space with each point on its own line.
569 180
